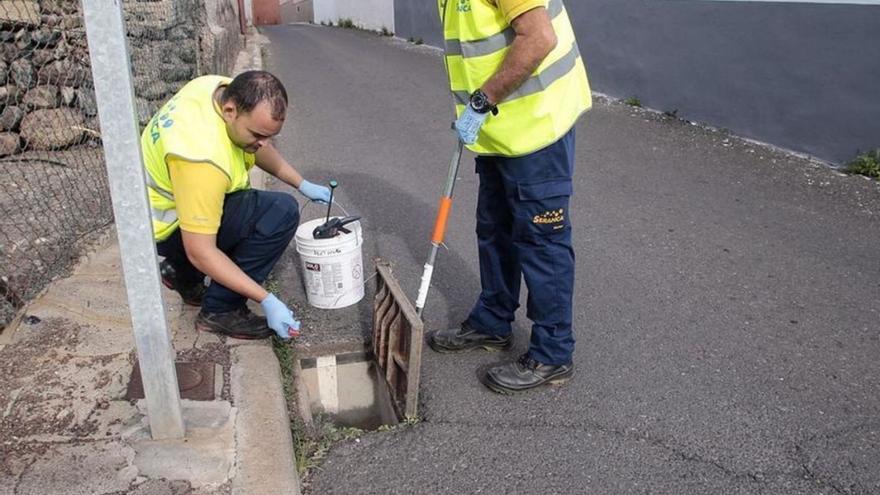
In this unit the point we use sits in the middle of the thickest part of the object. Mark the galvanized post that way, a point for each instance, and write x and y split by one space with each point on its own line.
108 48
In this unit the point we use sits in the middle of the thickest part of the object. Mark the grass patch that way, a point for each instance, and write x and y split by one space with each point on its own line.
867 164
633 102
346 23
386 32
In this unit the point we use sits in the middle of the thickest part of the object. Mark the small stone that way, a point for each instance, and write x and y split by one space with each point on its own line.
86 102
154 90
4 72
10 118
23 40
8 52
175 73
68 96
46 37
55 128
23 74
73 22
9 95
10 144
42 97
51 20
64 72
43 56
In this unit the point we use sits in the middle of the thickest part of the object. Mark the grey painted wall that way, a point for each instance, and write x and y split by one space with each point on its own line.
805 76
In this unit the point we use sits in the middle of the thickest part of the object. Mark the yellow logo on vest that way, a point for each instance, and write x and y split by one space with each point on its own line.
551 216
464 5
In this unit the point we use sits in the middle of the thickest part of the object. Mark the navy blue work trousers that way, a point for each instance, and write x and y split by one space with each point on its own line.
255 229
524 231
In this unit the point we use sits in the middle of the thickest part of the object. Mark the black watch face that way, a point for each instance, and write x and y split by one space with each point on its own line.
480 102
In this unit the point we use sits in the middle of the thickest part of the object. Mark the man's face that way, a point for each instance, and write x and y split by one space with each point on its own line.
250 131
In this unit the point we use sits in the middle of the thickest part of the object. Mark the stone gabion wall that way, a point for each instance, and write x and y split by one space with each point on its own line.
163 38
53 185
46 100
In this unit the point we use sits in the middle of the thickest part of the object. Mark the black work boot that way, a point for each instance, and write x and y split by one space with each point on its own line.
192 293
238 324
465 338
525 374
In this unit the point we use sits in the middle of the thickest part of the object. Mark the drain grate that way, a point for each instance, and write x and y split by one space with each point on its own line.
397 341
195 381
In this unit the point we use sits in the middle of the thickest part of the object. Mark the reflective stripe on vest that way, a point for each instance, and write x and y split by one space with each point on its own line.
494 43
544 108
164 216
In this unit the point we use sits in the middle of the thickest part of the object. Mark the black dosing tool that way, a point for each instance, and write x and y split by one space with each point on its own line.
331 228
333 185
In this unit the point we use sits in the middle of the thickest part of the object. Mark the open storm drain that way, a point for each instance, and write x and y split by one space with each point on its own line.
381 386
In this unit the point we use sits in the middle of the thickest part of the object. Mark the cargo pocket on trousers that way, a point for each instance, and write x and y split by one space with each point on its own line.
542 208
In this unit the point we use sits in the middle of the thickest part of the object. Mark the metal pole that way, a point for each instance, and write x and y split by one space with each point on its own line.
108 48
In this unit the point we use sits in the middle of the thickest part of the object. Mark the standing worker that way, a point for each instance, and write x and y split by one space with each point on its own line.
520 86
207 220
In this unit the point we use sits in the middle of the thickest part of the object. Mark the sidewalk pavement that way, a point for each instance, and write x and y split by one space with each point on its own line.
66 428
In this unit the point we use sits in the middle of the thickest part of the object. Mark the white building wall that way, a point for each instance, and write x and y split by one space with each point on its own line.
367 14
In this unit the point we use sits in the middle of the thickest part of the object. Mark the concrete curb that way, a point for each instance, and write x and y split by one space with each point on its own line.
266 462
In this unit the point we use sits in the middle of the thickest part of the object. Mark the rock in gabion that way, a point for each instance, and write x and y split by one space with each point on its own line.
52 129
10 118
9 95
10 143
23 73
42 97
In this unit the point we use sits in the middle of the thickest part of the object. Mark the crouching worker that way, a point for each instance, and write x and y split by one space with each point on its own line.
207 220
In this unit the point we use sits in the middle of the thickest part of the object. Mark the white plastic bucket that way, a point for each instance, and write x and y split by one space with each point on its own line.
333 269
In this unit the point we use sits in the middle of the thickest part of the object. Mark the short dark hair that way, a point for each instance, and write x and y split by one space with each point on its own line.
250 88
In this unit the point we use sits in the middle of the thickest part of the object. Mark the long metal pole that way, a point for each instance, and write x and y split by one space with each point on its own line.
108 48
439 227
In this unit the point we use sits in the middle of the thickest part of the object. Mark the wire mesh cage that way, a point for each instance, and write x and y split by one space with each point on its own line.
54 194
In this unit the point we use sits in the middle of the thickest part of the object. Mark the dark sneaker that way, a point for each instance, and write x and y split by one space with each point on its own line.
465 338
192 294
238 324
525 374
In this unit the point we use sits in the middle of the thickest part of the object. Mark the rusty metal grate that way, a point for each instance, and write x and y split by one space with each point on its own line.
397 341
195 381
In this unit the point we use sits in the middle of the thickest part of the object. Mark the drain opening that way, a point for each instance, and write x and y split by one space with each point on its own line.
348 389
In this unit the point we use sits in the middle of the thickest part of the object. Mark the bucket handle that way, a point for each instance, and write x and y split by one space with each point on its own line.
337 203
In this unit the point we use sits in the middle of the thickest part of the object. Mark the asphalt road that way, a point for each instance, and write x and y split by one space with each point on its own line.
727 297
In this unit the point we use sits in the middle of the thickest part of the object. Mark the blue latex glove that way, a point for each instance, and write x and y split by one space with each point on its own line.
469 124
315 192
280 318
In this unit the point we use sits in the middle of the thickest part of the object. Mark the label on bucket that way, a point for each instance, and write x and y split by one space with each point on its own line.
326 279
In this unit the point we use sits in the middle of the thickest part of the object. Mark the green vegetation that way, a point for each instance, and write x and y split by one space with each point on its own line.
346 23
386 32
633 101
867 164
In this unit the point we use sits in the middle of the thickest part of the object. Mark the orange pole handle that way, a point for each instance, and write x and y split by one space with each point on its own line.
442 217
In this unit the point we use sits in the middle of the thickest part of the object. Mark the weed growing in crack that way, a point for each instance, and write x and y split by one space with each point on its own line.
867 164
633 102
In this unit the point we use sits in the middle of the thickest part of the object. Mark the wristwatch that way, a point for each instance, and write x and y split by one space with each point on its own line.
480 103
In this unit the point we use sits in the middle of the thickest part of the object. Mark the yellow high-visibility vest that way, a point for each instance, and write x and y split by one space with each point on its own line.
189 127
544 108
